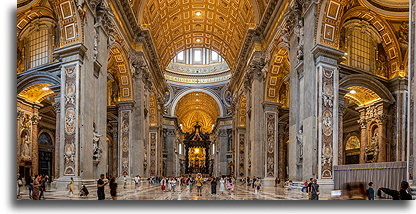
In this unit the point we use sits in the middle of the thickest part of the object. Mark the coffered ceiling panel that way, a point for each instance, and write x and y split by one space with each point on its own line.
361 95
197 106
175 25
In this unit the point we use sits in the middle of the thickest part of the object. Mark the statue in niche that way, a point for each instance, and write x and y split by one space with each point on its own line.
381 61
20 57
299 32
25 147
403 35
114 92
96 145
299 137
283 95
26 121
372 150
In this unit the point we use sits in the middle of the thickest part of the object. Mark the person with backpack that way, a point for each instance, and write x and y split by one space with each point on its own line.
402 194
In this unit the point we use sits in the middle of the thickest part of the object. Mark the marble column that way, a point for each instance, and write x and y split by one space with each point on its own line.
411 138
364 134
115 169
255 77
124 138
222 148
326 65
271 119
57 108
35 151
282 151
171 152
399 88
341 109
72 57
139 123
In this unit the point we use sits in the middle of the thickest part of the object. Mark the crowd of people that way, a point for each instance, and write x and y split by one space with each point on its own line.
36 186
225 184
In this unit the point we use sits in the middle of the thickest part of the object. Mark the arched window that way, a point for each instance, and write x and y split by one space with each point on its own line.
35 44
361 41
198 56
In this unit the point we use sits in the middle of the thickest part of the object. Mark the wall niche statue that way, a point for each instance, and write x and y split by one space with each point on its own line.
25 146
96 145
372 149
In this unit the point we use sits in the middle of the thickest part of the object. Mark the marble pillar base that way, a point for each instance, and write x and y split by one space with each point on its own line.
63 182
268 181
326 185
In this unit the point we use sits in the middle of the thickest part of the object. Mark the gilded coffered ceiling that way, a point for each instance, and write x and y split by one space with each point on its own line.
391 9
197 106
220 25
276 90
36 93
361 95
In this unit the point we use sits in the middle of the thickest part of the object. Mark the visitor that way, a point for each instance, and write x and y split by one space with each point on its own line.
230 186
256 186
222 185
113 188
136 180
402 194
198 181
30 187
309 188
19 184
42 187
170 184
191 184
36 186
214 186
83 192
100 187
163 184
314 190
275 182
173 183
305 186
370 191
71 187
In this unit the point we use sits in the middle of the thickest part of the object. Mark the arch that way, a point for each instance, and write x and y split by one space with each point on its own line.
185 92
277 74
69 20
332 18
49 134
28 80
122 71
369 82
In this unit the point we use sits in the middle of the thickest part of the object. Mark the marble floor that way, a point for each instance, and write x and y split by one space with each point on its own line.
146 191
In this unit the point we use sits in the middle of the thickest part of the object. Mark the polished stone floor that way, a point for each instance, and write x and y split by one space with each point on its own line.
146 191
